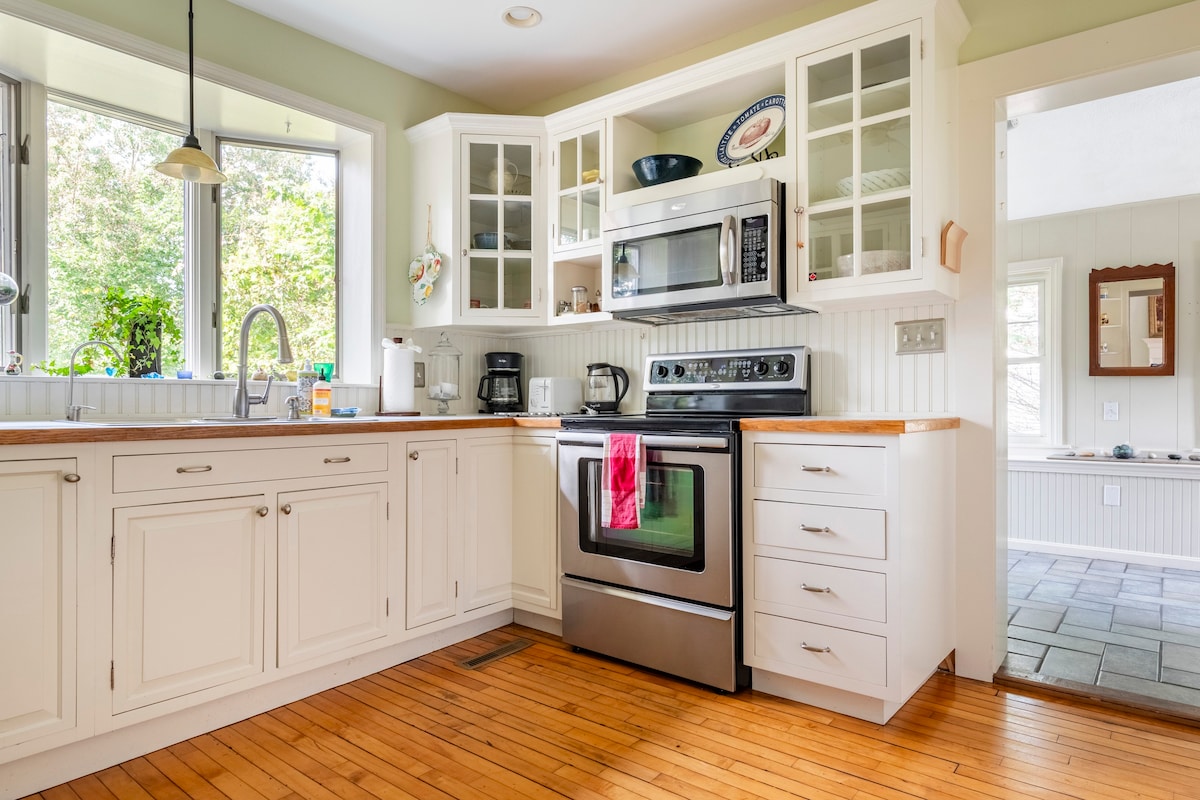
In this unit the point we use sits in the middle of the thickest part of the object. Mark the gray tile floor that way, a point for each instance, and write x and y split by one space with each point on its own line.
1125 627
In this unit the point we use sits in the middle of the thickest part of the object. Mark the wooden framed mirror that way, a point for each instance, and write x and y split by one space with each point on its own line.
1131 320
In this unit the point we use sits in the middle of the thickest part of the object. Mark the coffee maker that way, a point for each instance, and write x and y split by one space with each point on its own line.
500 387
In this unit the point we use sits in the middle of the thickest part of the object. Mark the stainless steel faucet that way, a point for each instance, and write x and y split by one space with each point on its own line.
72 409
242 399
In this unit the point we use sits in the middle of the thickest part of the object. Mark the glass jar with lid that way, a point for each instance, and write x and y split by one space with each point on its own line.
443 378
579 299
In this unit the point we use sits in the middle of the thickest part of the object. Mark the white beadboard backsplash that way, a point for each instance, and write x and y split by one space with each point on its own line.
1157 516
855 368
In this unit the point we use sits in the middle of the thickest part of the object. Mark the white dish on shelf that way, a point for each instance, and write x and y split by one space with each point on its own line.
879 180
873 261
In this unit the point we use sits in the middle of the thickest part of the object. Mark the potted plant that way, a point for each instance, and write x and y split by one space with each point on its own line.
142 323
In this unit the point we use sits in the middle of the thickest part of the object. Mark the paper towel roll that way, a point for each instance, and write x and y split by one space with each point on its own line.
398 367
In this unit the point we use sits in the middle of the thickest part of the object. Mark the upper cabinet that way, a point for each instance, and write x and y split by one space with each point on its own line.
873 127
478 198
578 166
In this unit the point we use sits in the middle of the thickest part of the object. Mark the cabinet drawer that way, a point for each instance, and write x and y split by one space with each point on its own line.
843 469
821 529
816 587
181 470
821 648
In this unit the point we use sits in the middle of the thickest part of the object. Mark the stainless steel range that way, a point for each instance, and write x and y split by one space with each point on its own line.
666 594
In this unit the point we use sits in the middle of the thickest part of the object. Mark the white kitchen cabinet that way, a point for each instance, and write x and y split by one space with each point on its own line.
433 531
477 194
577 197
38 609
873 123
189 587
535 560
489 481
848 565
332 569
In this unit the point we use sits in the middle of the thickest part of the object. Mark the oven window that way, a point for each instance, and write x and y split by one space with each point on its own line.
668 262
672 529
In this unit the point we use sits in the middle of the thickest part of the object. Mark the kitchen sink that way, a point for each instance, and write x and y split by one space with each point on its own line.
138 420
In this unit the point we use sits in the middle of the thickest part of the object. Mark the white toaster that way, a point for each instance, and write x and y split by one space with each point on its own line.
553 396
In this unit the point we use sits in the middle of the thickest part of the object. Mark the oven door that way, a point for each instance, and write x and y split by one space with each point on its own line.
684 547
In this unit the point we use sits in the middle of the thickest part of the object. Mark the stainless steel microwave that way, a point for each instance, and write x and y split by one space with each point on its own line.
710 255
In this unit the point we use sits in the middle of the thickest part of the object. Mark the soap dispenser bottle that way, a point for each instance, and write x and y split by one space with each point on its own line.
322 397
305 379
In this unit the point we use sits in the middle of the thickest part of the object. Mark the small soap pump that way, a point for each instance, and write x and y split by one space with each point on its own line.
322 396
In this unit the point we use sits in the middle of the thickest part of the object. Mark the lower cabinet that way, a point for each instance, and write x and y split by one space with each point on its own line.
188 596
332 570
432 517
38 609
535 524
848 552
489 480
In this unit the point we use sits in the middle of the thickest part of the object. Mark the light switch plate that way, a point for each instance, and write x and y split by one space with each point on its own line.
419 375
1112 495
921 336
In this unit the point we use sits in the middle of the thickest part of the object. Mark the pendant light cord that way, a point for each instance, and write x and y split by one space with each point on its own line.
191 75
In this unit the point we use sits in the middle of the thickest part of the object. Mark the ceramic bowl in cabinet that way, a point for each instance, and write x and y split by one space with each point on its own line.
873 261
652 170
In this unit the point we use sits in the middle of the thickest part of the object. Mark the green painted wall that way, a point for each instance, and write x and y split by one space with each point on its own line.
233 37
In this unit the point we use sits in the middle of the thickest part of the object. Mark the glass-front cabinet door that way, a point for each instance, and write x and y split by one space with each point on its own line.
579 173
857 129
500 209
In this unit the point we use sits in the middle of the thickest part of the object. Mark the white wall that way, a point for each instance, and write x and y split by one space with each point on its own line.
855 368
1155 413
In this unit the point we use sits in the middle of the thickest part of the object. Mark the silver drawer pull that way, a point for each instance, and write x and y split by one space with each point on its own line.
190 470
341 460
813 648
815 529
815 469
808 588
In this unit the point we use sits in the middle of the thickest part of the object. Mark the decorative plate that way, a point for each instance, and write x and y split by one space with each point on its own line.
423 271
752 130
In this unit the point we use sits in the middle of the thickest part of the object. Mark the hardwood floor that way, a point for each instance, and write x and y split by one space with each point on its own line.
549 723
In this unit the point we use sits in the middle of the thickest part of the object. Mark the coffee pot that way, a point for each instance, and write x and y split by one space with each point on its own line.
605 387
500 386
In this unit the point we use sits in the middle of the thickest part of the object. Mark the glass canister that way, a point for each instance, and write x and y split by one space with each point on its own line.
579 299
442 381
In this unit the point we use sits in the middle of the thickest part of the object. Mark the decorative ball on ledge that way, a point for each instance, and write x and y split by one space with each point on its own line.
1122 451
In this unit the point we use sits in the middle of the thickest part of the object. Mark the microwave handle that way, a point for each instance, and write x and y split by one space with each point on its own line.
728 249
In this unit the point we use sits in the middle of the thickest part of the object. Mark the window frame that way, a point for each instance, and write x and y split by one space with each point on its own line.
10 208
213 280
1047 273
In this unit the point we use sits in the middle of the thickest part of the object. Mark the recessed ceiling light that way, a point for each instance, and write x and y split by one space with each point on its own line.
522 17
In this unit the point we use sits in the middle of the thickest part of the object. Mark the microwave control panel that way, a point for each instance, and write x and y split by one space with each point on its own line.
755 246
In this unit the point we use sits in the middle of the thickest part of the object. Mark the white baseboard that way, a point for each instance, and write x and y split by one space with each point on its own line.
1108 554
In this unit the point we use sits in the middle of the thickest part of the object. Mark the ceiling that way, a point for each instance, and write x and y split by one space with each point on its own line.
465 46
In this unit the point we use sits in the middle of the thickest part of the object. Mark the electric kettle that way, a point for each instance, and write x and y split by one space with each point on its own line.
606 385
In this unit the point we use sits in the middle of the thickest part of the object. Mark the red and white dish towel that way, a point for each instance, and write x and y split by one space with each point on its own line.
623 481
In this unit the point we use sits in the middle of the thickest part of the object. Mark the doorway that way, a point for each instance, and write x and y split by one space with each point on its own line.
1103 590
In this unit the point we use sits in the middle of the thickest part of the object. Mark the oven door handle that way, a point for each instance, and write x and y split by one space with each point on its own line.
662 442
649 599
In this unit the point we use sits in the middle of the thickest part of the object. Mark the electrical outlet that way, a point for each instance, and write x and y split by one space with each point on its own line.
921 336
419 375
1112 495
1111 412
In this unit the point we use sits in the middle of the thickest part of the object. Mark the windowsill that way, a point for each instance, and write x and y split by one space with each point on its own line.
173 381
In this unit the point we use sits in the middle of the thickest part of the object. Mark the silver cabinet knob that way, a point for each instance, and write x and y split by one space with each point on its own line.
286 508
262 511
415 455
71 477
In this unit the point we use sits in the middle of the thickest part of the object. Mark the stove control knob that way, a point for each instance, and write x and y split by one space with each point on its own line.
781 368
678 371
760 368
661 371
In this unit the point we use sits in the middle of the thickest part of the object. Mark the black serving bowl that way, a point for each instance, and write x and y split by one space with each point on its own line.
651 170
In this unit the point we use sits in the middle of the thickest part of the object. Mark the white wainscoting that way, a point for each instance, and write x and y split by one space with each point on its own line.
1059 508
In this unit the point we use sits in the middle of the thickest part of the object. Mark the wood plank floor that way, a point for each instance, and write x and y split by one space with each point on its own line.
549 723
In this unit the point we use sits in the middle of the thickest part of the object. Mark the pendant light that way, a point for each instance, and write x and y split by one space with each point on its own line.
188 162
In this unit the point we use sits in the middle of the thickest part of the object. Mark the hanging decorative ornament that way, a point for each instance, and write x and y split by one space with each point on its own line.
425 268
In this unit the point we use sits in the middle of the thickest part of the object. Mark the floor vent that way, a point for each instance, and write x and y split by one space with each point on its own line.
483 659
